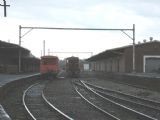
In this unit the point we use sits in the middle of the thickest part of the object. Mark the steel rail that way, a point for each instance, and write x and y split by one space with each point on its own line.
23 100
144 115
51 105
125 94
134 85
131 102
116 118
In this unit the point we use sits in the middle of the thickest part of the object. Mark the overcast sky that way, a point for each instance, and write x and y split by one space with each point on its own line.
145 14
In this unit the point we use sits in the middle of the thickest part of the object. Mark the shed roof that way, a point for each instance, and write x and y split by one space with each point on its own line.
6 45
116 51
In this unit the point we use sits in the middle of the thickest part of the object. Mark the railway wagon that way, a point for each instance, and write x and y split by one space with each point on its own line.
72 66
49 66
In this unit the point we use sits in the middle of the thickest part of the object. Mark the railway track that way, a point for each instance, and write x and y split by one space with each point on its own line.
62 95
128 97
116 107
109 104
133 85
12 102
38 107
110 116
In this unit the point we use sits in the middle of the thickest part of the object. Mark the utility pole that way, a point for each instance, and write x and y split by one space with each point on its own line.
20 52
5 7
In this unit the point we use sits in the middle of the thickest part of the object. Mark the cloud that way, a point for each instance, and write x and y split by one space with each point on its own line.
80 13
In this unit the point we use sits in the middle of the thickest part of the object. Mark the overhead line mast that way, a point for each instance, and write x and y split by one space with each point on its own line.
98 29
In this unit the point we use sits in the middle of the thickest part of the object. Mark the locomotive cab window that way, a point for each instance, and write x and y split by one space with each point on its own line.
49 61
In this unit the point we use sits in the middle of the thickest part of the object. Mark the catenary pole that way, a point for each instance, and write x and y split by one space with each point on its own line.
97 29
134 49
19 61
44 47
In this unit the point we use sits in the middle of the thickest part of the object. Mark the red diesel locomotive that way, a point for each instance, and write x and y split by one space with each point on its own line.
49 65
